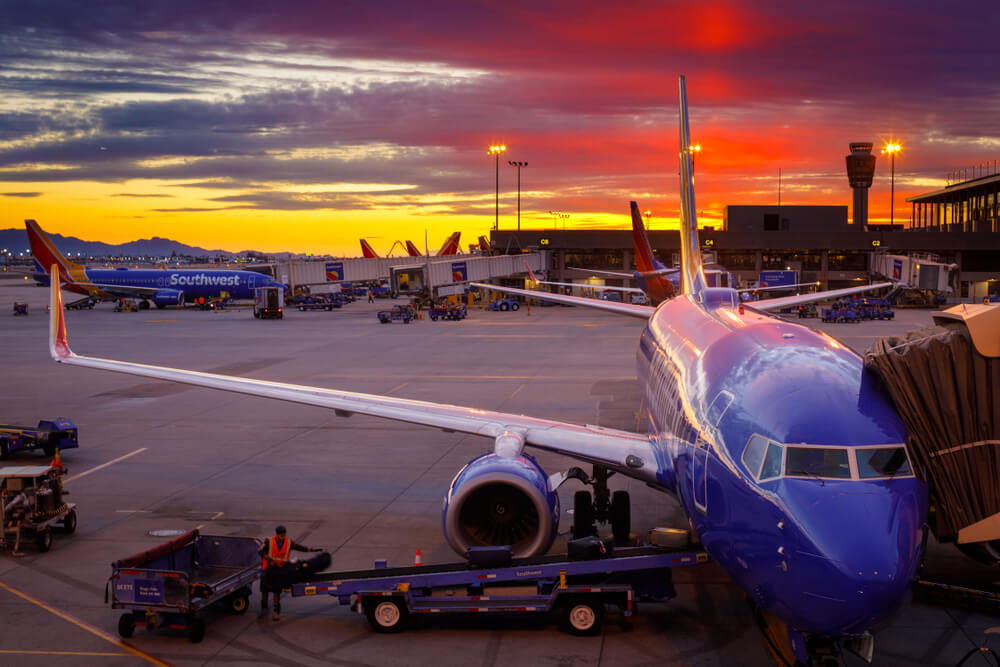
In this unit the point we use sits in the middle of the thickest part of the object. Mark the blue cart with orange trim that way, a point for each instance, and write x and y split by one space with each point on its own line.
167 586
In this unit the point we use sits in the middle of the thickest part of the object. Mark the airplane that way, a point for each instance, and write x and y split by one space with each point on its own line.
367 251
786 456
162 287
449 247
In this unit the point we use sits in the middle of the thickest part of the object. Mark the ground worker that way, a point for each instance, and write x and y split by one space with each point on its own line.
371 296
277 552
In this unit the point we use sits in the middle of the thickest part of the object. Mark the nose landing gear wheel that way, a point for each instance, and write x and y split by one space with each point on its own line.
583 515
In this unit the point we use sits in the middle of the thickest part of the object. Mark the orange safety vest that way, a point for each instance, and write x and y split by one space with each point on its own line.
277 555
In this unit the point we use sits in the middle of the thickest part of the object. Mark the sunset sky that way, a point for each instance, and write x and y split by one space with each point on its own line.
303 126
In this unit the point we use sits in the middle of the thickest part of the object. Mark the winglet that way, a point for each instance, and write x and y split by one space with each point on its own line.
58 347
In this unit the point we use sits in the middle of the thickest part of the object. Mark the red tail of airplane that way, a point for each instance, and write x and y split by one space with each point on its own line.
48 255
649 270
451 245
412 250
367 250
484 245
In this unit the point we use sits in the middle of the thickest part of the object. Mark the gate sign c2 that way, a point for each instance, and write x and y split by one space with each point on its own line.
148 590
334 272
459 272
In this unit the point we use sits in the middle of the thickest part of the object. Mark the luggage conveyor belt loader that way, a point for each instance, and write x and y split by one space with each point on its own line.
579 584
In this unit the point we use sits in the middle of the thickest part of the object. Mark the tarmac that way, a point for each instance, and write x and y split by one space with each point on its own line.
160 456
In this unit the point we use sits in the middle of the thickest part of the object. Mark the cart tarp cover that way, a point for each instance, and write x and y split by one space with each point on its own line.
949 396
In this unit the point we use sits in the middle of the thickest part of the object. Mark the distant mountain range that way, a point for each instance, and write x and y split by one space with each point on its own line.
16 240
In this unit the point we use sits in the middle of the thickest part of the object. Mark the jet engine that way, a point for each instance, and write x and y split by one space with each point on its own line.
168 297
499 500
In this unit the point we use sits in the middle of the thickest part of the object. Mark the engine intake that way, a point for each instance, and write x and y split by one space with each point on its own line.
495 501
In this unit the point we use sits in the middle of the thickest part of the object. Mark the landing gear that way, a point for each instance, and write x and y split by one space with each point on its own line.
607 508
144 305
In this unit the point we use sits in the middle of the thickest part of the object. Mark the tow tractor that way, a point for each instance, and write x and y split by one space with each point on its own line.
49 435
579 584
31 505
398 314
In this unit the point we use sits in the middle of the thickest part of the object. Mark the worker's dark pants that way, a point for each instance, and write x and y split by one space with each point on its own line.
271 581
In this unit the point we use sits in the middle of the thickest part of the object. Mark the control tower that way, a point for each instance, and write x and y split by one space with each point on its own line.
860 170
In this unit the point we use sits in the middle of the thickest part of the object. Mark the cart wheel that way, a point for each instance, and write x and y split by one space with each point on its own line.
621 516
388 615
44 540
69 522
515 306
583 616
583 515
504 306
239 602
196 629
126 625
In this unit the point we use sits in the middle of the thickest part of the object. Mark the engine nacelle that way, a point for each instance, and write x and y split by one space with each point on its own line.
168 297
497 500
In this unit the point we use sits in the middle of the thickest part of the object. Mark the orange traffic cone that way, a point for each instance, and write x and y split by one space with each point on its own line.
416 560
56 461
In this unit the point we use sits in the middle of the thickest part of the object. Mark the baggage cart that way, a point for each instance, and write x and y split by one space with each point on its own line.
32 506
170 584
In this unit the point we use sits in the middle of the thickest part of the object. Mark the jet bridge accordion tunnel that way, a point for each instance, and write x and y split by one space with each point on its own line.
945 382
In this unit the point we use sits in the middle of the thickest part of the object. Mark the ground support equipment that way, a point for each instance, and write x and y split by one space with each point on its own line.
48 436
32 505
398 314
578 586
446 312
169 585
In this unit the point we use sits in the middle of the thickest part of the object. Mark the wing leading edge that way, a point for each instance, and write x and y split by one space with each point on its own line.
622 451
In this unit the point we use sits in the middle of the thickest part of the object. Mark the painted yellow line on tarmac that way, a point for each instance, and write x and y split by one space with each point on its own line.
105 465
84 626
88 653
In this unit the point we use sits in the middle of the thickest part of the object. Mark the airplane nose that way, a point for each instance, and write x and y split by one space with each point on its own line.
860 555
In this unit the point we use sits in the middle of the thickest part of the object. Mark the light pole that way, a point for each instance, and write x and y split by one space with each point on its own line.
556 217
515 163
495 152
892 149
649 216
695 149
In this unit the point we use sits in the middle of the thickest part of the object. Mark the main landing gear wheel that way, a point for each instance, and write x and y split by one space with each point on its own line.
583 515
387 615
621 516
583 617
126 625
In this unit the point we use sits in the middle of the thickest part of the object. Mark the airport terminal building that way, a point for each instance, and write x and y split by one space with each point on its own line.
817 241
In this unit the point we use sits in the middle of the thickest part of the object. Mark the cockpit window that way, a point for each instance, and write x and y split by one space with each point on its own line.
772 463
882 462
754 454
817 462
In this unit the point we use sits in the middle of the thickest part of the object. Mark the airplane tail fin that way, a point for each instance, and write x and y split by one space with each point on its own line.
692 273
367 251
531 274
451 245
484 245
644 261
46 253
413 250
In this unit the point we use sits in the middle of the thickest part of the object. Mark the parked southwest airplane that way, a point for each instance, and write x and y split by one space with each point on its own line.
449 247
786 457
164 287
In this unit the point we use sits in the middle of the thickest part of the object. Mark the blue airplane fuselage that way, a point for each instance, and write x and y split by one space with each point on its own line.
832 551
191 283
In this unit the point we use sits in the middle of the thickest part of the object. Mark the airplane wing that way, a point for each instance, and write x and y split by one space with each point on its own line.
786 301
123 290
645 312
622 274
778 287
622 451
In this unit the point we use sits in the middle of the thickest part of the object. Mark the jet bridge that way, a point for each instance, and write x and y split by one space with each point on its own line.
441 273
945 382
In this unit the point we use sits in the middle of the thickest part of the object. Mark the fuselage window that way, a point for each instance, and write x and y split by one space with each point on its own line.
882 462
817 462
